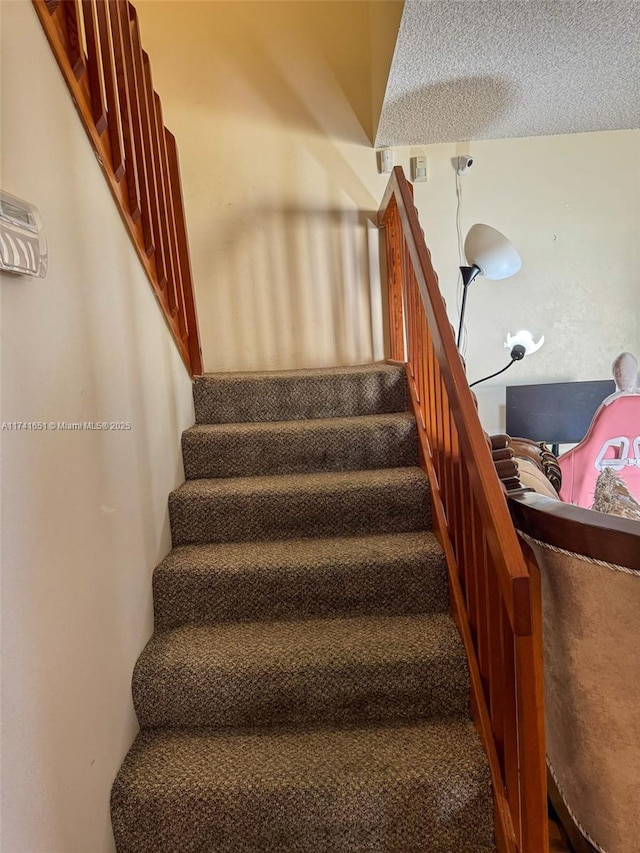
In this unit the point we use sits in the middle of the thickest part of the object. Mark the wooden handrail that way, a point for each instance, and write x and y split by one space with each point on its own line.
593 535
97 46
494 591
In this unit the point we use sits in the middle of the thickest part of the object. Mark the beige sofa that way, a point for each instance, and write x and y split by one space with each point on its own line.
590 575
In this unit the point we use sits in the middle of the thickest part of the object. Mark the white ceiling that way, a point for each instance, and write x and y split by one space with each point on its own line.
491 69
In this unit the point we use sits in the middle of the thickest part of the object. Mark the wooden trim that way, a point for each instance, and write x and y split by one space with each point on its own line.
591 534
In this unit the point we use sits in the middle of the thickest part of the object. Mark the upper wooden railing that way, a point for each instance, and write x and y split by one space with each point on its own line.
495 594
97 46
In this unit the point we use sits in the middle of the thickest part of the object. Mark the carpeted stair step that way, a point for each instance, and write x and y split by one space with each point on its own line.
422 788
305 690
298 578
338 392
296 447
329 671
393 500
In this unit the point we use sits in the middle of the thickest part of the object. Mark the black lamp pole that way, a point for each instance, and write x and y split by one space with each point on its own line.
468 275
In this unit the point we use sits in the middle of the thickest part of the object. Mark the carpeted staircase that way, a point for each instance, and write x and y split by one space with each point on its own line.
305 690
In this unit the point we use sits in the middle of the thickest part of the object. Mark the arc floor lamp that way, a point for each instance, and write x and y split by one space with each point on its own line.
490 254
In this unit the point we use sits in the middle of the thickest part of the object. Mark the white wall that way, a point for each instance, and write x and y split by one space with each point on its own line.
272 105
84 514
571 205
269 104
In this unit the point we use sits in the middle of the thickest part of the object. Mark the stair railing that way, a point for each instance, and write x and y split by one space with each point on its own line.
97 46
495 597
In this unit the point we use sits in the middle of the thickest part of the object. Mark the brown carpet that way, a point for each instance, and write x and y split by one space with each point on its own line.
305 690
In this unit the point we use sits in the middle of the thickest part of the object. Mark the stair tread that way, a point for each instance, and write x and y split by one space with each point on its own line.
398 788
300 394
368 668
296 554
294 506
300 643
225 759
320 372
299 578
298 446
321 482
308 425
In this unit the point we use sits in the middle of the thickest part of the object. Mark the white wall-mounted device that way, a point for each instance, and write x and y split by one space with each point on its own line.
23 246
464 164
418 169
385 161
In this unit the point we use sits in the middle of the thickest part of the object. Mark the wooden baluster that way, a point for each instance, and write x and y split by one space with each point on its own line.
466 548
496 665
94 66
126 114
400 307
162 250
191 322
74 41
437 432
412 299
415 326
530 693
471 565
456 524
481 601
114 123
394 284
420 340
149 155
52 5
447 488
173 235
427 344
406 302
510 737
163 183
409 339
430 401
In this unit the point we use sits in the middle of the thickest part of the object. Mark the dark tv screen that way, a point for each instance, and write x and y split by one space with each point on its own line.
556 412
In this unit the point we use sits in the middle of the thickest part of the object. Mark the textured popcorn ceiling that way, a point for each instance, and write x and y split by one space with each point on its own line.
490 69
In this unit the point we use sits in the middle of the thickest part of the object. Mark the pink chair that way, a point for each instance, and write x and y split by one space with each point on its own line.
613 440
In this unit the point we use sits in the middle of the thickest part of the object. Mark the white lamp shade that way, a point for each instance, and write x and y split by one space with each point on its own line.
492 252
525 339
